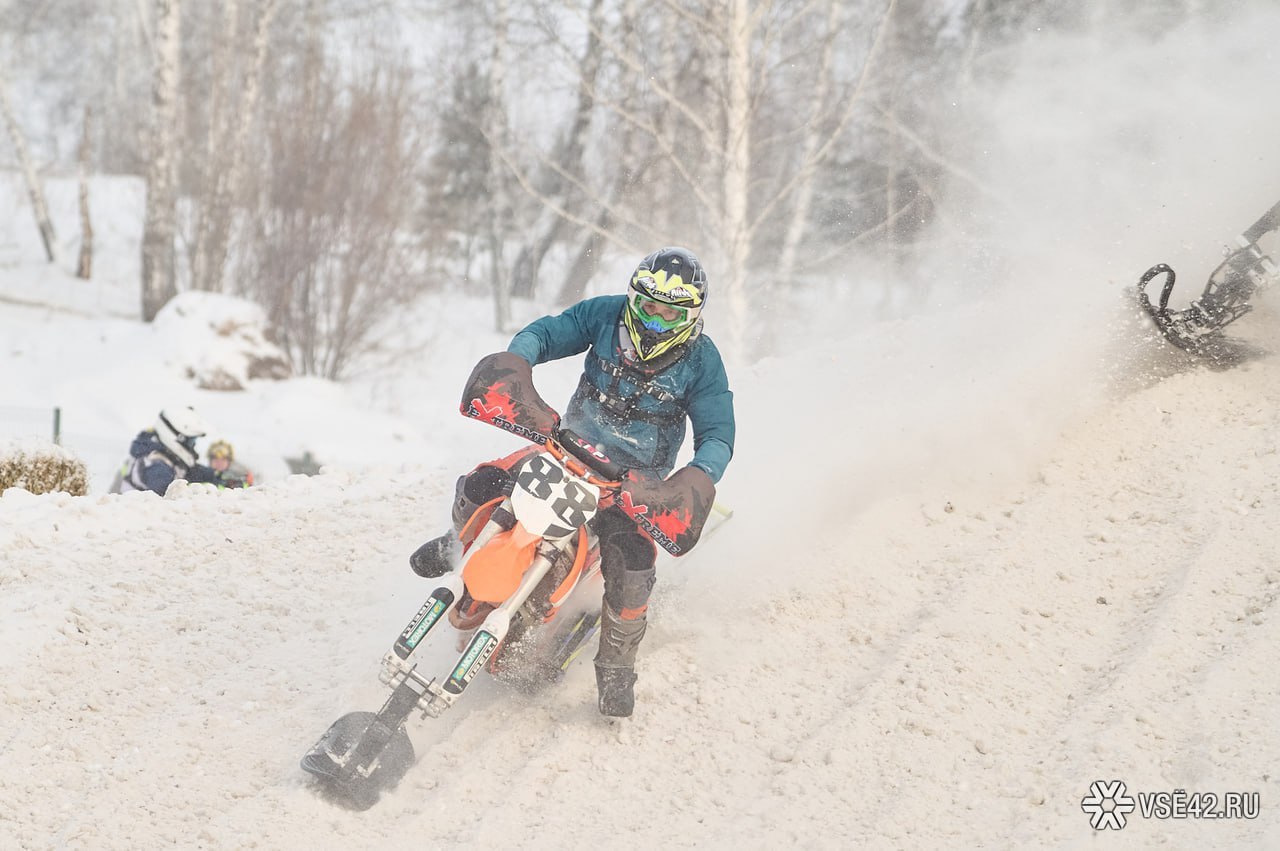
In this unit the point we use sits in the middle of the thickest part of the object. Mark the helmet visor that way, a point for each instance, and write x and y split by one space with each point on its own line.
658 316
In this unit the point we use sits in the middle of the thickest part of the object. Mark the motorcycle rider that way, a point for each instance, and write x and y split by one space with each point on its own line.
649 368
166 452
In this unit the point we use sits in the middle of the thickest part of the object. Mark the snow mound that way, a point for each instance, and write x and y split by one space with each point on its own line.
219 341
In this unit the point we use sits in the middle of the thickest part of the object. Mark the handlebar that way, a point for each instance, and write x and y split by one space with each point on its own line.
588 455
1270 221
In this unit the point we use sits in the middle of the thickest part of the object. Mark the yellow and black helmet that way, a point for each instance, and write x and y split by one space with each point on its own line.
665 297
221 449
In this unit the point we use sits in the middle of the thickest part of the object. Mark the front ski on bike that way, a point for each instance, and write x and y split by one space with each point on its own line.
363 754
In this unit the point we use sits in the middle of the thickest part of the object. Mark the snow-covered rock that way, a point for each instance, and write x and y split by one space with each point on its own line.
219 341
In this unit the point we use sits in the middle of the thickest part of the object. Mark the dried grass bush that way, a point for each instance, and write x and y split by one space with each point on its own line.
42 468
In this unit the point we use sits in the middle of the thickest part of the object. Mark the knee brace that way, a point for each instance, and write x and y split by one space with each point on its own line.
475 489
627 563
619 638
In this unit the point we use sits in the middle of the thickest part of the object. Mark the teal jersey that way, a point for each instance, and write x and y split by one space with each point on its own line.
638 418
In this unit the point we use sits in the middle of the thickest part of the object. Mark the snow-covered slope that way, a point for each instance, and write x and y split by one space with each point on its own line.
949 666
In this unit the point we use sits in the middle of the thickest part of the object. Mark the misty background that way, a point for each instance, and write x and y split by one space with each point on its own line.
834 162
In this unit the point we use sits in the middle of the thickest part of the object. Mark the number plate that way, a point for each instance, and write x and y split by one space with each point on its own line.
550 501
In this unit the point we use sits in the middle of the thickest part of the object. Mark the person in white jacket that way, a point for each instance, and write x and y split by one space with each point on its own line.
166 452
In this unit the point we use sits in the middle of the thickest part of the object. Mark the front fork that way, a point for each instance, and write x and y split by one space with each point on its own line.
435 697
490 634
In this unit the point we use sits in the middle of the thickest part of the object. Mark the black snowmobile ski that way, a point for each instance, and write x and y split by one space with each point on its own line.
1198 328
362 754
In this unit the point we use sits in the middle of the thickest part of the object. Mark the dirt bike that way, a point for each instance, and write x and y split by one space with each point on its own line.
1198 328
524 556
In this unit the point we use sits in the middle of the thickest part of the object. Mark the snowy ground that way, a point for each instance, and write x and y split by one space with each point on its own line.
947 666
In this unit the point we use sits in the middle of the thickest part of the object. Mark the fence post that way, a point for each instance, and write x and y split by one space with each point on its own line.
57 426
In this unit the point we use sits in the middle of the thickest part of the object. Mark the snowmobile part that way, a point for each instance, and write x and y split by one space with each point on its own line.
363 754
1245 270
1269 221
589 455
529 662
671 511
1168 322
574 641
724 513
1199 326
550 500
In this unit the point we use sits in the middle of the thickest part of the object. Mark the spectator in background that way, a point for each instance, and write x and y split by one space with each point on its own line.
165 452
222 460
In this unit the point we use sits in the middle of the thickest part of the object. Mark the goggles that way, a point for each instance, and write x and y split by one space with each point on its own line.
658 316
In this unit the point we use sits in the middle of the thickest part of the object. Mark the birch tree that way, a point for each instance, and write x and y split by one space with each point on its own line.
496 131
820 105
84 264
690 81
159 226
563 169
227 142
35 190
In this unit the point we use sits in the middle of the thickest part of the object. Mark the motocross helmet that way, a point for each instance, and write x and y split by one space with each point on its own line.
664 299
177 430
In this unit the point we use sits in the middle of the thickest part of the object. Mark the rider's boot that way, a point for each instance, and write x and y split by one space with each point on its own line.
440 555
437 556
629 574
616 661
616 689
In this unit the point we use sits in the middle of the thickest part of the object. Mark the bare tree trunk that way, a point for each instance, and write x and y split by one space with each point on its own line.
158 273
546 230
976 29
228 170
84 265
799 222
892 204
580 271
528 263
38 204
735 185
892 251
144 23
497 132
573 286
221 74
